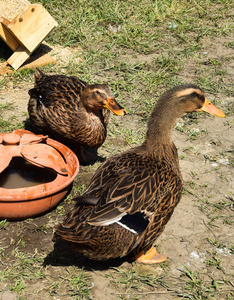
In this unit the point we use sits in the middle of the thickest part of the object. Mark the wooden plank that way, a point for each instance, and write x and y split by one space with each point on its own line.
31 28
4 21
19 57
38 61
32 63
9 9
6 36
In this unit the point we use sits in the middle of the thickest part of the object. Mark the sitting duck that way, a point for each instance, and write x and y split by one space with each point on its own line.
72 112
132 195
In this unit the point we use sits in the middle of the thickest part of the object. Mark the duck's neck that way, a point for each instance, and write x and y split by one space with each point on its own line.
91 113
99 117
160 125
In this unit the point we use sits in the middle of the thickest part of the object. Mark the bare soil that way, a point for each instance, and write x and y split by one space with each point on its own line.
198 236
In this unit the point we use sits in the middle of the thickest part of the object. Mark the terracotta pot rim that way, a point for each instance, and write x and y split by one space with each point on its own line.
45 189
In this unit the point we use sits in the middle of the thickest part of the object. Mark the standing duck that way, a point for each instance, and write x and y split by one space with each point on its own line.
132 195
72 111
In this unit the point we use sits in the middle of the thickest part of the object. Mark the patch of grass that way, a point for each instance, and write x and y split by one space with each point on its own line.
28 269
21 270
122 25
230 44
224 204
6 106
78 286
4 224
10 123
60 210
77 190
213 260
193 134
232 249
216 243
219 213
42 228
133 283
196 288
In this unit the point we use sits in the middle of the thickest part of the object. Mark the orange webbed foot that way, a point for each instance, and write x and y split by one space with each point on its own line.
150 257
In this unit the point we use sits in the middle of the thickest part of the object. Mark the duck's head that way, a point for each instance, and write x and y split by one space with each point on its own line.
172 105
99 96
183 99
193 99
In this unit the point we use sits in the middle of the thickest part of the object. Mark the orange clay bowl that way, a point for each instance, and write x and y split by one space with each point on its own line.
31 201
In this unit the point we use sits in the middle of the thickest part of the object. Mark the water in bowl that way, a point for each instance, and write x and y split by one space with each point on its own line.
21 173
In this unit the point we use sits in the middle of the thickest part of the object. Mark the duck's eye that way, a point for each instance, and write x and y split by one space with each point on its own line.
199 96
98 93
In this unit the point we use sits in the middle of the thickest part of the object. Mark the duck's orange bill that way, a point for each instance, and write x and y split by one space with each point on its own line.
211 109
113 106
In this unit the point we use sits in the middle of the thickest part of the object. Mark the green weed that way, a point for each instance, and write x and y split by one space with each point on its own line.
197 289
4 224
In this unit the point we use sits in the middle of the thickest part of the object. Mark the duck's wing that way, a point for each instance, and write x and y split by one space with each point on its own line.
128 185
53 89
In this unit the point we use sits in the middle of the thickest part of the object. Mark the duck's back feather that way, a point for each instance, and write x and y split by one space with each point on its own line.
57 88
129 184
130 194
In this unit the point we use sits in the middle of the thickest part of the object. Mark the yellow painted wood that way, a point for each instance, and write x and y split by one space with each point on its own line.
34 62
6 36
26 32
19 57
31 27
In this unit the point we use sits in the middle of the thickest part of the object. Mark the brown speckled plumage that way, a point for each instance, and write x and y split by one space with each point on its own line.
133 194
70 110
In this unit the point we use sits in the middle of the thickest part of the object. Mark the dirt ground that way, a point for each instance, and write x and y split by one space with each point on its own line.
199 235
